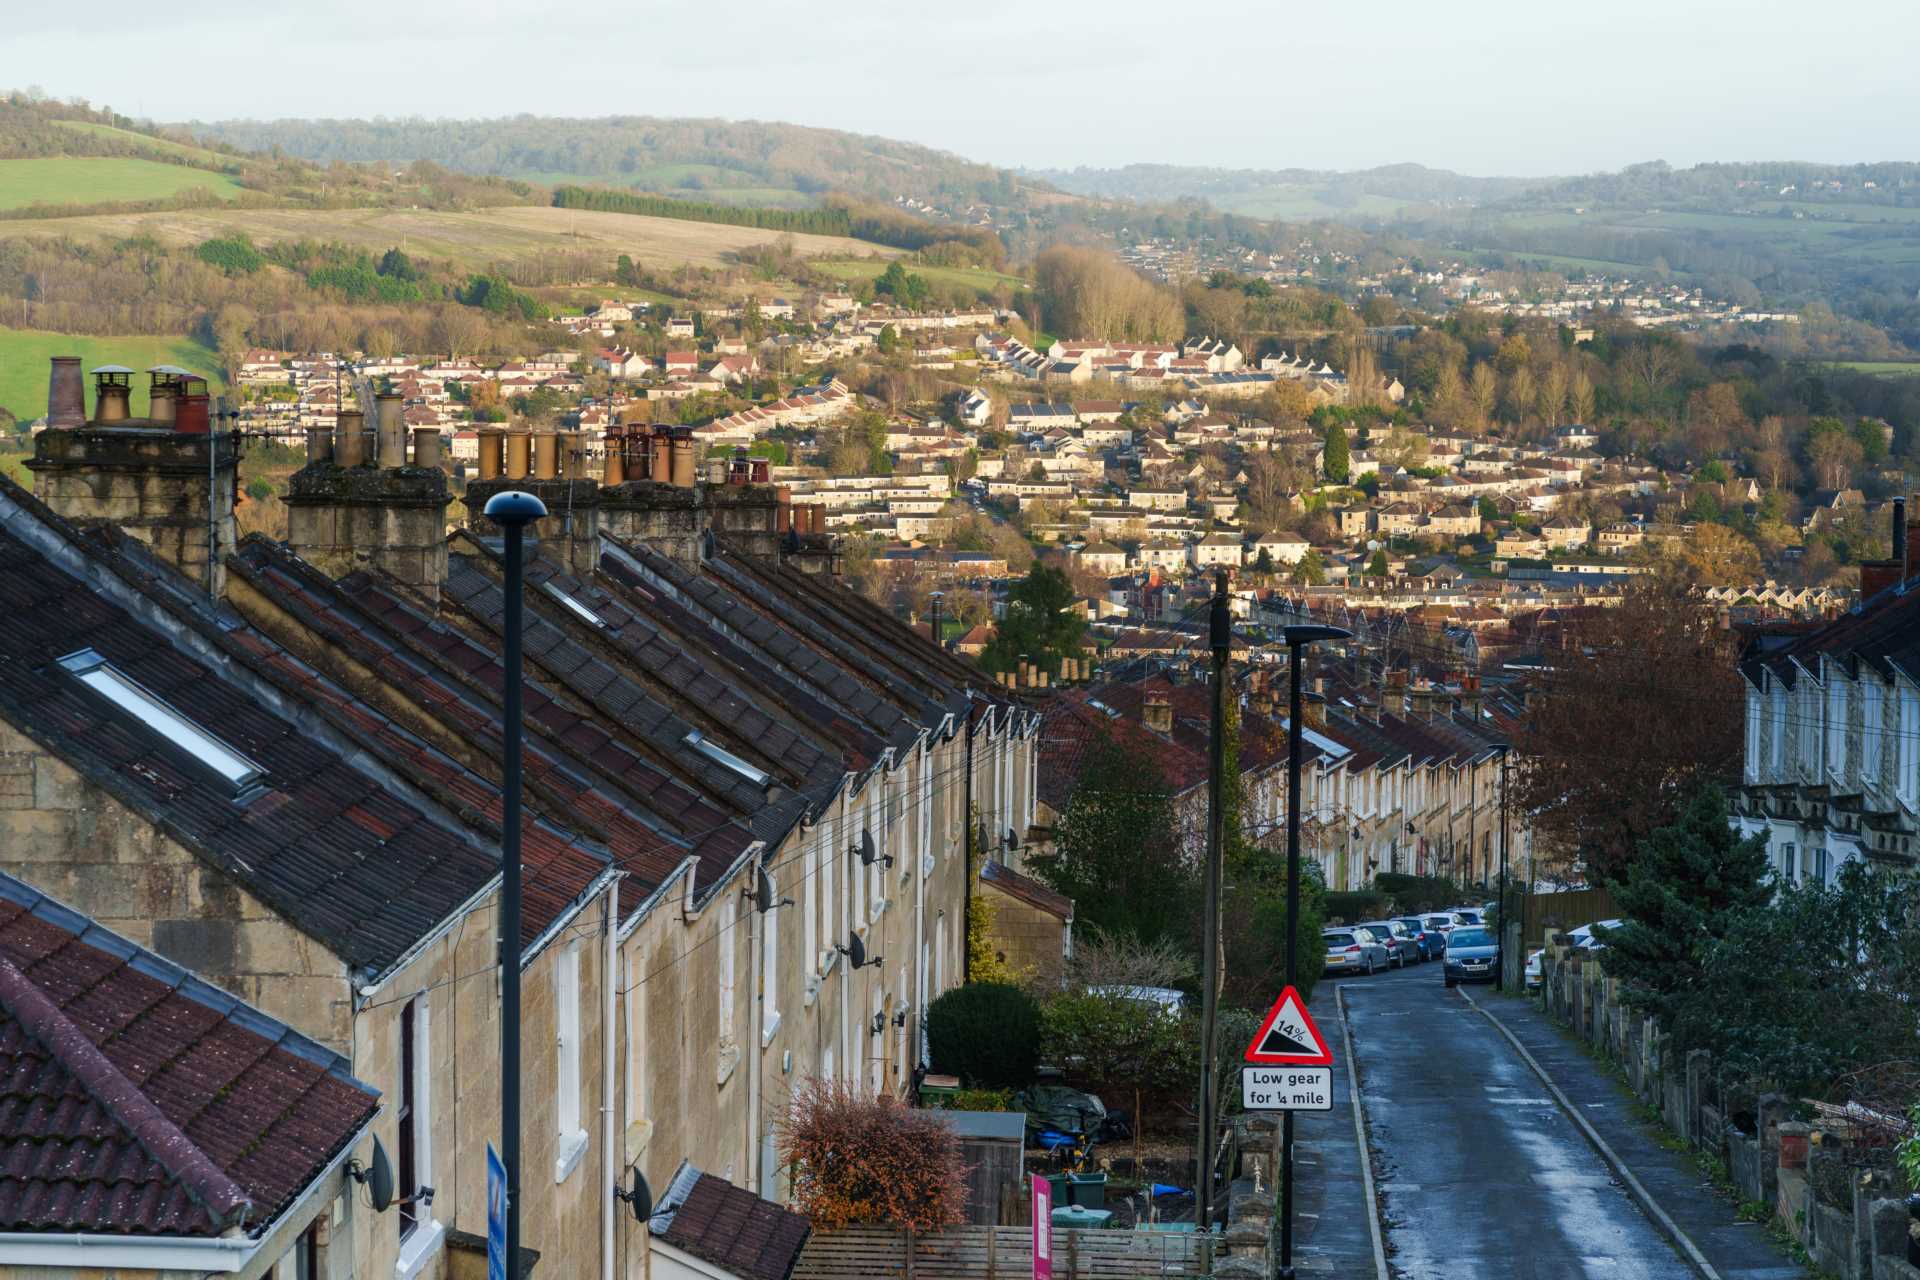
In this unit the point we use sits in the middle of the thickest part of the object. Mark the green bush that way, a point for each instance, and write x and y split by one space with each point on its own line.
1421 893
1352 906
987 1033
233 254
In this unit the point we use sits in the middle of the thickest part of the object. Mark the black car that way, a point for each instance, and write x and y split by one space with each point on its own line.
1472 956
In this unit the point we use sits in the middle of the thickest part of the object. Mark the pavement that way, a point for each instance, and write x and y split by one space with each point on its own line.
1480 1171
1733 1250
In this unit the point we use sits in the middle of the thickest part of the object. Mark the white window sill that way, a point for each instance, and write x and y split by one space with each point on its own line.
877 908
572 1147
768 1029
418 1248
828 959
729 1059
638 1135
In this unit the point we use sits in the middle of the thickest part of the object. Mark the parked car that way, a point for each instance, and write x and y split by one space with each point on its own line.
1469 915
1353 950
1400 945
1430 942
1585 938
1444 923
1534 974
1472 956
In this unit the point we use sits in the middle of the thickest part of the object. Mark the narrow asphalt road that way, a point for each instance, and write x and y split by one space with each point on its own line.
1479 1171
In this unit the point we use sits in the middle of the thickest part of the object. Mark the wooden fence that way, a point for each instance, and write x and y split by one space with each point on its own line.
999 1253
1549 913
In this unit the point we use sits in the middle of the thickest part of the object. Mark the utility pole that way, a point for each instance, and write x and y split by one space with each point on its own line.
1500 974
1220 638
1298 638
512 510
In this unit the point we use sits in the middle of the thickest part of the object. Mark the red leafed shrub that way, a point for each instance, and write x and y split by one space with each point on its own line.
874 1161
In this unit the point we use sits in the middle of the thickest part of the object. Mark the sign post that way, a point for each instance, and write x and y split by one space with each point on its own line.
1042 1228
496 1216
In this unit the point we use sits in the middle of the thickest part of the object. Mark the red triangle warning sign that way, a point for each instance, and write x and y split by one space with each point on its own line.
1287 1036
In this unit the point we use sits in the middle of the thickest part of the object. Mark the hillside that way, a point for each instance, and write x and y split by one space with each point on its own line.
471 239
1365 196
739 162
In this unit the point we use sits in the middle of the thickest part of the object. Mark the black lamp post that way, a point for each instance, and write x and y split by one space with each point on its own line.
1298 638
512 510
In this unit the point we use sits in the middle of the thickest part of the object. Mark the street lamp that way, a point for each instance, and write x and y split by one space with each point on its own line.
1298 638
512 510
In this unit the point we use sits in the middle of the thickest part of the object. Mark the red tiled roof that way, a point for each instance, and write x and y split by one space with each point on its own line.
136 1099
1026 889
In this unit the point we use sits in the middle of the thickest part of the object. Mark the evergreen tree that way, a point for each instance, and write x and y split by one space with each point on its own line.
1116 849
1041 622
1310 570
1339 463
1377 567
1680 896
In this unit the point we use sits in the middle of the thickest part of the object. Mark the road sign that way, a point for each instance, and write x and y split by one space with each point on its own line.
1042 1228
1286 1088
1287 1036
496 1215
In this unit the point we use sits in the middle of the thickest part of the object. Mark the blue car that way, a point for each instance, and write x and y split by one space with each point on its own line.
1431 942
1472 956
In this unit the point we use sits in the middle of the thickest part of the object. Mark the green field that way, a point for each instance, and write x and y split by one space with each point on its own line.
1885 368
968 277
24 354
159 146
61 180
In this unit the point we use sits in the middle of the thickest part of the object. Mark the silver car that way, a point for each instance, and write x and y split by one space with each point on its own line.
1353 950
1401 947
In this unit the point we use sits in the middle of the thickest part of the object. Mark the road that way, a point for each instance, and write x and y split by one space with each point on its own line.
1481 1174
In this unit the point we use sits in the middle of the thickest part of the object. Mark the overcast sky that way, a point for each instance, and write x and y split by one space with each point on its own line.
1484 86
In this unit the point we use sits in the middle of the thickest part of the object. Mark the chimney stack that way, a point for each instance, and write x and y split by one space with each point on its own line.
155 482
1156 712
368 506
1315 710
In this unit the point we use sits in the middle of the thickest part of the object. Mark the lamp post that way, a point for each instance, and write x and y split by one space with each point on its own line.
1220 639
1298 638
1500 974
512 510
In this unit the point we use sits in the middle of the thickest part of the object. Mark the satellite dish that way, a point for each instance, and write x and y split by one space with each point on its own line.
763 889
857 952
638 1194
1373 544
376 1177
1013 840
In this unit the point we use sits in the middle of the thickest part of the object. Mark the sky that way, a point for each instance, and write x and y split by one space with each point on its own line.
1479 86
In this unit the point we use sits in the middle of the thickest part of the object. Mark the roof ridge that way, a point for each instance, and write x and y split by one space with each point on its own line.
163 1140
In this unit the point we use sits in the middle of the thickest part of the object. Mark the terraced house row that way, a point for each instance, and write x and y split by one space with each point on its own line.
250 818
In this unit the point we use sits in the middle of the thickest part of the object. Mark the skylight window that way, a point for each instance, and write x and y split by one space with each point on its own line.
581 611
92 670
726 759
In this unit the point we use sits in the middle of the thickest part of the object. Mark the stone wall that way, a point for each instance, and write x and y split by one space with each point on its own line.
341 519
72 840
1779 1164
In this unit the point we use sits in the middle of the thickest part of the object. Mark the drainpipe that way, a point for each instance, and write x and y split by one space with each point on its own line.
608 1159
966 914
756 946
919 994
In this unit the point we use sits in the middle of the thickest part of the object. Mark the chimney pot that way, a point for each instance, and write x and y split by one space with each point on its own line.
112 394
66 394
350 438
683 457
319 445
546 455
426 447
492 454
190 407
661 465
391 430
160 399
519 454
759 471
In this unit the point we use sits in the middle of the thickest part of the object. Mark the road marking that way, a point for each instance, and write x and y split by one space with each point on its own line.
1360 1135
1687 1248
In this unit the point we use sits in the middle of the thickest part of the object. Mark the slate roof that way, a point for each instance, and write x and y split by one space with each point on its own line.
136 1099
729 1226
1026 889
347 859
1883 633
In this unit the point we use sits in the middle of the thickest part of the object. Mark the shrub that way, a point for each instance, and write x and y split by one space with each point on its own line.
1419 893
1352 906
233 254
859 1159
1114 1044
987 1033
